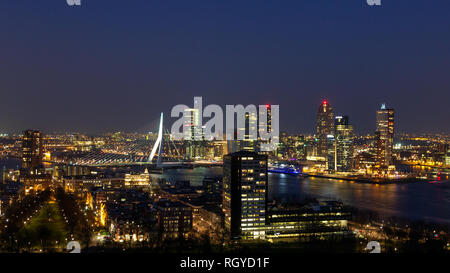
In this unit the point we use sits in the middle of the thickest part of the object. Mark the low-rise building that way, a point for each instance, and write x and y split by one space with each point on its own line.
174 219
130 216
317 219
36 182
81 184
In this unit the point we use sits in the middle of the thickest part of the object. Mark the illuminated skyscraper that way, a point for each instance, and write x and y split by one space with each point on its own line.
245 194
249 141
32 152
344 144
263 126
325 127
385 134
331 153
193 124
269 119
194 135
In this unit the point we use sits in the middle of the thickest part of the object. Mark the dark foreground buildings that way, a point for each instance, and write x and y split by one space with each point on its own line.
248 215
174 219
315 219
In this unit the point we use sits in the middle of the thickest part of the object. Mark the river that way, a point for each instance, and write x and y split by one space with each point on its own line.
416 201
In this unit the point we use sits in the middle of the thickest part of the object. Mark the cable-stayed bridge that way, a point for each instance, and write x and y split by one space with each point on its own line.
164 154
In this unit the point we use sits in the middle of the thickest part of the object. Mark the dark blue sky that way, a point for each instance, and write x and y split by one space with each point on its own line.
115 64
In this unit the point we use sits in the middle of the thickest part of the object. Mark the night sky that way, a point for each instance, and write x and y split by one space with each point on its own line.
115 64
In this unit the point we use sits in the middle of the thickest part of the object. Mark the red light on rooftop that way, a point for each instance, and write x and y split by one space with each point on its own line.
267 105
324 102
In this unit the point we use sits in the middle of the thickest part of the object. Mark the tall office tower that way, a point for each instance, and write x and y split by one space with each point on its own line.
268 127
269 118
193 124
331 153
385 128
194 135
245 194
249 142
325 127
344 144
32 153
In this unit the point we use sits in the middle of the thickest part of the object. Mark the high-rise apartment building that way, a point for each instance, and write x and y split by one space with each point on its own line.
194 133
250 134
32 151
245 194
268 127
344 144
385 135
325 127
193 124
331 153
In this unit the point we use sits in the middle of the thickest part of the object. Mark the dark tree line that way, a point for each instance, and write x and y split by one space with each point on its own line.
78 222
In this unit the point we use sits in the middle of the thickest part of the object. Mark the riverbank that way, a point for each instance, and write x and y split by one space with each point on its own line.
372 181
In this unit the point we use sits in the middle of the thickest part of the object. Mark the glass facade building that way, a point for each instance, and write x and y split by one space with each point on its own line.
325 127
245 195
385 134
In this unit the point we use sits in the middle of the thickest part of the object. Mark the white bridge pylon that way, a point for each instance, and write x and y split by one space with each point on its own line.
158 143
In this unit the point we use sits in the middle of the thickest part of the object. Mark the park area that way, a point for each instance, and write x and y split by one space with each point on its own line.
45 232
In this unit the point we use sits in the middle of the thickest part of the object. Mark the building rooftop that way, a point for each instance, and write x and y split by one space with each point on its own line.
169 204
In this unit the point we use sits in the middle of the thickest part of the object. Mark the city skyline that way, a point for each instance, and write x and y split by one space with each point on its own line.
354 55
155 125
224 134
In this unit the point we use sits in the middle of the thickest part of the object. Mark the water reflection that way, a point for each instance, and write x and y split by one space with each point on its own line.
415 200
426 201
